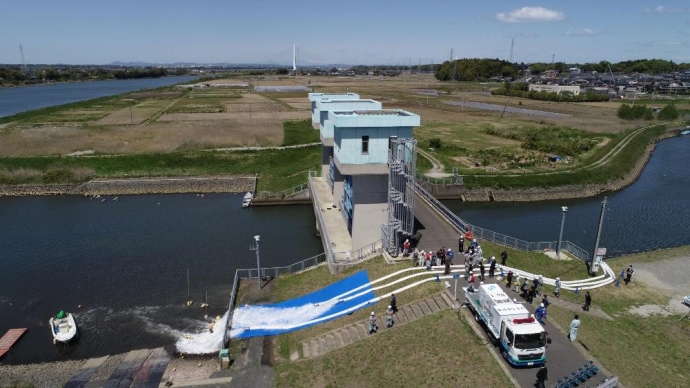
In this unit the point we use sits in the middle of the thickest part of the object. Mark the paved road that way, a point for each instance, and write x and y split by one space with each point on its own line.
562 356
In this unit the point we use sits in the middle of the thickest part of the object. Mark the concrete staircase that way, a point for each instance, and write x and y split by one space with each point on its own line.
139 369
346 335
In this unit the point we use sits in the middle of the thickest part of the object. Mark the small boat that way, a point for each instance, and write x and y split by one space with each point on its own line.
684 133
63 326
247 199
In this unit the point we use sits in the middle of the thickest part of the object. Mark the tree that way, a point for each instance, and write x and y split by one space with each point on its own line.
282 71
669 112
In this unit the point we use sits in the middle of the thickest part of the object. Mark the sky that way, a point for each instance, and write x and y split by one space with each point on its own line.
398 32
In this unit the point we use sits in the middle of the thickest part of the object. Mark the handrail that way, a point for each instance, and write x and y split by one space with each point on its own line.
455 180
284 193
317 209
498 238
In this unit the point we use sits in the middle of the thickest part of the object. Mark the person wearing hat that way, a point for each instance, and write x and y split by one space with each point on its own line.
540 313
422 258
557 289
492 267
504 257
389 317
474 242
394 304
461 243
574 327
372 323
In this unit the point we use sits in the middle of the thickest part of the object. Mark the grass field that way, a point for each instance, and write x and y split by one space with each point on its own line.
299 132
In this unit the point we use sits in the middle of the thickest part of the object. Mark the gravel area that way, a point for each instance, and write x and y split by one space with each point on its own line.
106 369
190 368
669 277
48 375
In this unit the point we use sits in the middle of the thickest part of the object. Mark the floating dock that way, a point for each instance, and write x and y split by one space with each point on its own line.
9 339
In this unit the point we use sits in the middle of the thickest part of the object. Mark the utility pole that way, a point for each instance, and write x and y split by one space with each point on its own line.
258 261
560 236
601 223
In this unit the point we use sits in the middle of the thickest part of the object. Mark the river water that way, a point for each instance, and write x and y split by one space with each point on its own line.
652 213
26 98
126 264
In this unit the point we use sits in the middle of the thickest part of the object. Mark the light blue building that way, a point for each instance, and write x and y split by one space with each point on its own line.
314 97
323 107
359 169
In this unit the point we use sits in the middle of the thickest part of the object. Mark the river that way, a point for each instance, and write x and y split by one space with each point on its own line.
652 213
126 264
26 98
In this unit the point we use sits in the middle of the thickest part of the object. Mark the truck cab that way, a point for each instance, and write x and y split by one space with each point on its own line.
523 341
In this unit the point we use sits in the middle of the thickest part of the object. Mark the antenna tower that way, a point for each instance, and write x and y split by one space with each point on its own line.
21 50
553 57
451 55
294 58
512 43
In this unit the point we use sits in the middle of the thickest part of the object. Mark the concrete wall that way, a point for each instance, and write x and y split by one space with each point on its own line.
338 186
323 107
555 88
314 97
370 195
326 154
366 225
348 143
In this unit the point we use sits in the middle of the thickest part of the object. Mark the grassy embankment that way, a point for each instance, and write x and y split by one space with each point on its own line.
644 351
406 350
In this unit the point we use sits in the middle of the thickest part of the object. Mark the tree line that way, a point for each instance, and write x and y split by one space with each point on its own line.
15 76
475 69
637 112
521 89
649 66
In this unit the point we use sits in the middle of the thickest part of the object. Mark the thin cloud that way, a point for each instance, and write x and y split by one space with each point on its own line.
583 32
530 14
662 10
526 35
654 43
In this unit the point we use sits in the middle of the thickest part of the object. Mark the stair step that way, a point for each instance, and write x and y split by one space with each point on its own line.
354 333
362 330
441 302
151 372
339 343
400 317
416 310
306 349
425 307
432 304
409 313
345 335
447 298
315 347
323 346
84 374
123 375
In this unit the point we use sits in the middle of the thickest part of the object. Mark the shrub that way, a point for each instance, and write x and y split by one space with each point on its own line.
670 112
435 143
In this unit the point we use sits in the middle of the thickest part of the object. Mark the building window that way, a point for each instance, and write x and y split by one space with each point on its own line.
365 144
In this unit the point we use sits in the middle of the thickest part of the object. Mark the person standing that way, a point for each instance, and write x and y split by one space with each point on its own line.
540 313
406 248
415 257
461 243
394 303
509 279
628 274
480 252
539 284
574 327
504 257
492 267
422 258
481 270
545 301
557 288
372 323
475 244
588 301
389 317
450 256
542 375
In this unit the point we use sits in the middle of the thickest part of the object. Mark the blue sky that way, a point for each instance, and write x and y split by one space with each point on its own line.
353 31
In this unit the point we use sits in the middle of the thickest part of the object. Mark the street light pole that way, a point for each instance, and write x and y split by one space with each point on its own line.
560 236
258 261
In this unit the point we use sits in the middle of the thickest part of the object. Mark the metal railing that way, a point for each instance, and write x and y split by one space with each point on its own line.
282 194
455 180
499 238
357 256
321 222
248 273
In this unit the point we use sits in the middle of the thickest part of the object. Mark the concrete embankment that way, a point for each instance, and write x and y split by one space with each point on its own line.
217 184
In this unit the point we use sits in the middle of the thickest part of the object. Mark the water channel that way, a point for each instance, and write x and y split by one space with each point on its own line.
26 98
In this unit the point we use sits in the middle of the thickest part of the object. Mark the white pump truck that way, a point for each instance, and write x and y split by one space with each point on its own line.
521 338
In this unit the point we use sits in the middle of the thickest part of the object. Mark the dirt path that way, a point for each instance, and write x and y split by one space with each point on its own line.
437 169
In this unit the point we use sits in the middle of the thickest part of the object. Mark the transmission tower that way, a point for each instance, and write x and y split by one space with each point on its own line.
451 55
512 44
21 51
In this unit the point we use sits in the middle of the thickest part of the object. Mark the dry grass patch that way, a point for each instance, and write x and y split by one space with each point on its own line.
259 107
300 105
245 117
134 115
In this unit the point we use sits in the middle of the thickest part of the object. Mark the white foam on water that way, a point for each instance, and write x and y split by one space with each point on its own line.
264 317
202 341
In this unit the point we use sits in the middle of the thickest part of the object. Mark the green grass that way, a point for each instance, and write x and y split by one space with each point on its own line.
277 169
112 102
642 351
421 350
299 132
